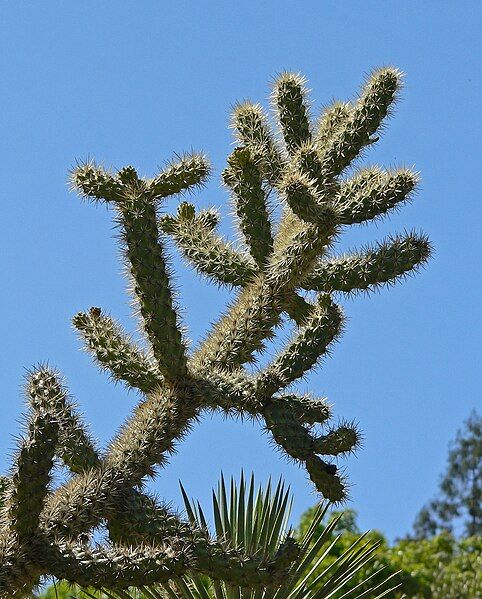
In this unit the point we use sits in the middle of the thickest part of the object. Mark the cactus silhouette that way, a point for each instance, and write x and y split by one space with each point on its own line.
283 270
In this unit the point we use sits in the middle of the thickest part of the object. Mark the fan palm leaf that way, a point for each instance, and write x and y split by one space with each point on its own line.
255 521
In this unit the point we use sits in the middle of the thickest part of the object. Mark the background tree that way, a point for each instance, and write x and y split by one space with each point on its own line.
460 489
441 567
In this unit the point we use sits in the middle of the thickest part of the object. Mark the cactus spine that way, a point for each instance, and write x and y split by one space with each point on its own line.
283 270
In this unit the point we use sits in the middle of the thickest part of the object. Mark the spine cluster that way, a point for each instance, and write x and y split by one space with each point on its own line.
282 270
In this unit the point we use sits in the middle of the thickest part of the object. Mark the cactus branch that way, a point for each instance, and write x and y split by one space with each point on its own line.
29 482
76 447
243 176
330 122
115 567
300 445
115 352
152 286
299 356
185 173
289 99
253 131
301 196
208 253
373 267
366 116
373 193
94 182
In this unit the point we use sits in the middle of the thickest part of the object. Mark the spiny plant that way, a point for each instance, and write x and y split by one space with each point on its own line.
256 521
283 270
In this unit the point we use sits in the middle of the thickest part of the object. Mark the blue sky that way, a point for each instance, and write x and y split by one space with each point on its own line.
133 83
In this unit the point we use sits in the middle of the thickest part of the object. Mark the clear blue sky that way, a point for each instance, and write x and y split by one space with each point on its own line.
132 83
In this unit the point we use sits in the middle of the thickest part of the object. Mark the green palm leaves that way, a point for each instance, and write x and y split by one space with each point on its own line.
255 521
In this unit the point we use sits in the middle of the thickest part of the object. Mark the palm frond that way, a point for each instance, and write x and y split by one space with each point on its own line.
255 521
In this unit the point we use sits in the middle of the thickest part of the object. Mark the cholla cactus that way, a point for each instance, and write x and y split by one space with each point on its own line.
283 270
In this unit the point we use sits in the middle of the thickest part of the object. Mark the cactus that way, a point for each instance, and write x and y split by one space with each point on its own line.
282 272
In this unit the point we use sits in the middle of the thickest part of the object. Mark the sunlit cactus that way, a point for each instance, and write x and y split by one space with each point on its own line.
283 271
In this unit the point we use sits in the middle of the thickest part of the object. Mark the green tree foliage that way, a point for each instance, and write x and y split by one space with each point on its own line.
460 490
441 567
283 270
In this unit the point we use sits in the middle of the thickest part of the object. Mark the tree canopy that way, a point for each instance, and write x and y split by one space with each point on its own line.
439 567
459 501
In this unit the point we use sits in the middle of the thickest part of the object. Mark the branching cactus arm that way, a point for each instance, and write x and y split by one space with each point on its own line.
244 177
276 271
